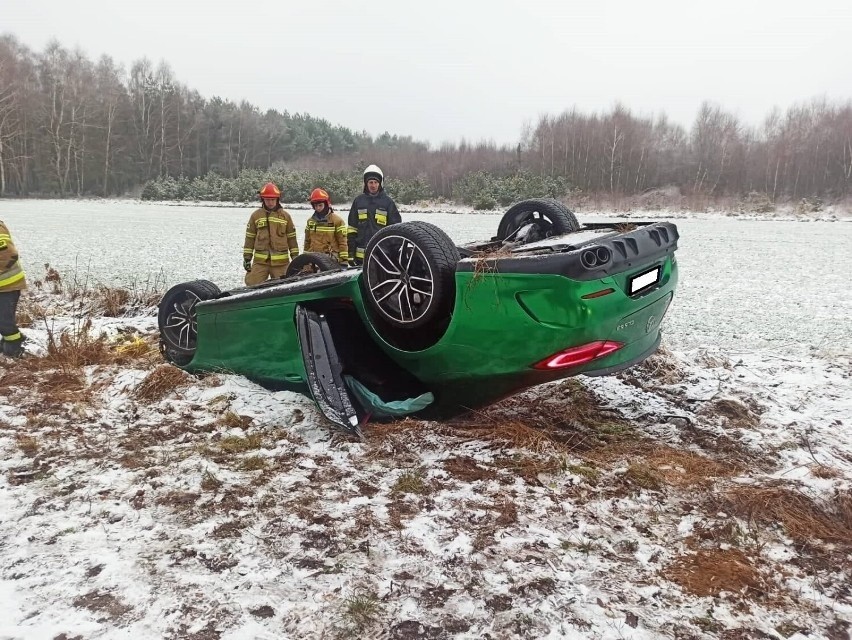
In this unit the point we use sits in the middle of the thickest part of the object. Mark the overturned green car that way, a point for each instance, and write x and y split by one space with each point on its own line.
431 329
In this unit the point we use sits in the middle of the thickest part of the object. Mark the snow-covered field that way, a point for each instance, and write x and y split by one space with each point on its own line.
705 494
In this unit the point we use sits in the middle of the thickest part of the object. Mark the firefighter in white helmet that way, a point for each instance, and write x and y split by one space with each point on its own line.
371 211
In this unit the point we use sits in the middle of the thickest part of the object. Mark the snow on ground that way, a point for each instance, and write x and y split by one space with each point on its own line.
704 494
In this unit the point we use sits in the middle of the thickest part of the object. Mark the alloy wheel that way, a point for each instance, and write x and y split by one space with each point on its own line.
400 279
181 327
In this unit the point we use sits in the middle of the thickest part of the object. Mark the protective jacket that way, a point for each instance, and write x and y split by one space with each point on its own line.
11 274
327 235
368 214
270 237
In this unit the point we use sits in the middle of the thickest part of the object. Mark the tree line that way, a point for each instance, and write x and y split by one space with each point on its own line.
71 126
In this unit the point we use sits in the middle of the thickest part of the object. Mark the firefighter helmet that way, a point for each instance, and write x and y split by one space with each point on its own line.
270 191
320 195
374 173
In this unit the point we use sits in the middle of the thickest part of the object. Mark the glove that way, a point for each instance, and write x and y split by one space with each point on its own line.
247 264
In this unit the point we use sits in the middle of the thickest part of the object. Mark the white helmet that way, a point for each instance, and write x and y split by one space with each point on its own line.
373 171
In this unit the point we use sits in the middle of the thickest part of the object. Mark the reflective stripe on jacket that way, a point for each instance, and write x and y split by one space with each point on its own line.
367 215
327 235
11 273
270 237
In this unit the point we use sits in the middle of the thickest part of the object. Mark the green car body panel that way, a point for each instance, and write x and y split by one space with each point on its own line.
502 324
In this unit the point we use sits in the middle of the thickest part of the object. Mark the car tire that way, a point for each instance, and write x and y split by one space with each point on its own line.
551 216
176 318
316 261
408 276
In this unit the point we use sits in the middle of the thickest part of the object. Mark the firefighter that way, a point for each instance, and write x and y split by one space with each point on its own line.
270 239
371 211
12 282
326 231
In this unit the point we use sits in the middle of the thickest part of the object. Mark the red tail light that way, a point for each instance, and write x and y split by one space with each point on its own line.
598 294
575 356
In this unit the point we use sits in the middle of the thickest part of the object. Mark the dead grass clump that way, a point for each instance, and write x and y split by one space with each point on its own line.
27 312
467 469
824 472
623 227
77 347
18 377
734 411
104 603
252 463
574 404
643 476
510 432
110 302
236 444
28 445
58 385
233 420
565 416
360 612
651 466
661 367
161 381
113 302
380 432
230 529
687 469
183 499
530 467
707 573
411 482
210 482
508 512
803 518
712 362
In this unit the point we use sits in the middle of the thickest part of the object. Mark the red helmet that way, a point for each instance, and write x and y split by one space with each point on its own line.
320 195
270 191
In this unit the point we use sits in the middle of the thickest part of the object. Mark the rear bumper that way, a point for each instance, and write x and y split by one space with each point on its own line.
607 371
627 250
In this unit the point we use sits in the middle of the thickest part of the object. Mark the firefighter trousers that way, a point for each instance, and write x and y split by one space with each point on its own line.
261 272
13 340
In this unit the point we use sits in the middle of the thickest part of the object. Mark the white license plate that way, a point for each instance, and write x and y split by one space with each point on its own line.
644 280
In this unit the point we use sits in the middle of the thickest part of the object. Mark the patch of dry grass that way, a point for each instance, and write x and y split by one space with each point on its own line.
709 572
110 302
160 382
736 413
252 463
77 347
512 432
662 368
643 476
236 444
28 445
233 420
530 467
668 466
803 518
467 469
411 482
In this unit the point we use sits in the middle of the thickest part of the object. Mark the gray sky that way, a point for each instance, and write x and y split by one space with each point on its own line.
442 70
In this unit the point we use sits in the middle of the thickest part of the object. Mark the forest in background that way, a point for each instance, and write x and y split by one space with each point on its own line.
70 126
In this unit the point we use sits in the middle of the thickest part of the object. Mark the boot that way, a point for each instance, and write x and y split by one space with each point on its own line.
13 348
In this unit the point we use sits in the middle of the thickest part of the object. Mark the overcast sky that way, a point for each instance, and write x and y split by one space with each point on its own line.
442 70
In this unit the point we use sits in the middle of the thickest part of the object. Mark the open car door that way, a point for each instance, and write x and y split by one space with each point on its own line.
325 370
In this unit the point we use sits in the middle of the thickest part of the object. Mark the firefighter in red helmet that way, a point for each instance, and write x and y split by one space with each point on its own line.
270 239
325 231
